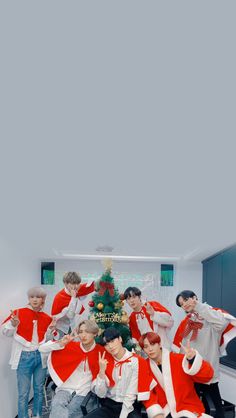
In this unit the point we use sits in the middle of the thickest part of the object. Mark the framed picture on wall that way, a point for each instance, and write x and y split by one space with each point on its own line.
167 275
47 273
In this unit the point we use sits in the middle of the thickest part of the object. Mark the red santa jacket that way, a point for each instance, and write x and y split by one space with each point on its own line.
133 322
227 335
24 331
175 392
62 299
62 363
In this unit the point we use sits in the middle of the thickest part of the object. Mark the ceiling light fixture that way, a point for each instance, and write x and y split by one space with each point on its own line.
120 257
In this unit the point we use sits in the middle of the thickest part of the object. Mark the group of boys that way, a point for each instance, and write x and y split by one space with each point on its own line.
167 383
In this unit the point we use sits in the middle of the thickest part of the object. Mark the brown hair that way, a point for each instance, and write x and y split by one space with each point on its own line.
151 337
71 277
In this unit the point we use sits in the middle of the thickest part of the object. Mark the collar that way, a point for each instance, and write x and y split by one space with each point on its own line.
87 351
125 356
30 307
67 291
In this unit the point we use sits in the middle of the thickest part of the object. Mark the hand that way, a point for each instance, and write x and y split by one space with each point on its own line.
14 318
74 334
52 326
65 340
72 290
102 364
149 309
190 353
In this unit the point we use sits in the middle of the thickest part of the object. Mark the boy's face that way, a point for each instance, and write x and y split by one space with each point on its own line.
153 351
187 304
114 347
86 337
72 287
134 302
36 302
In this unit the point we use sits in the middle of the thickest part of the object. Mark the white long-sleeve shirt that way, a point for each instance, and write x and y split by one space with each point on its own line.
17 347
66 318
208 339
81 379
125 389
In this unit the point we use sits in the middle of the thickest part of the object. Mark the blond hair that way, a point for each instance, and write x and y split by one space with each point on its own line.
90 326
37 291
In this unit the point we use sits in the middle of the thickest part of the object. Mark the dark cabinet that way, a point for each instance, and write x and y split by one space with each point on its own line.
219 290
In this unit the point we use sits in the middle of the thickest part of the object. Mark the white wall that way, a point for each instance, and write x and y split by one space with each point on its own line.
17 274
228 384
187 276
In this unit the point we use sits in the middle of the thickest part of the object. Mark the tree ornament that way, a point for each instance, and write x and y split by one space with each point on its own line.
124 318
117 305
107 264
91 303
100 306
122 296
106 286
100 331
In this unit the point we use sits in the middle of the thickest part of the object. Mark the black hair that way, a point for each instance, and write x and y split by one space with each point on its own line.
110 334
185 294
132 291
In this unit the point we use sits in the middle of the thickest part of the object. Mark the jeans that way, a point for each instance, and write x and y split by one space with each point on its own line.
30 365
66 405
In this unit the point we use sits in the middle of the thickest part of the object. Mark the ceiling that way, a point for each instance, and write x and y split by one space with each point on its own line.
118 129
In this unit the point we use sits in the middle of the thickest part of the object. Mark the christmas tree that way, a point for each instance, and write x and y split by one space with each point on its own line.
107 307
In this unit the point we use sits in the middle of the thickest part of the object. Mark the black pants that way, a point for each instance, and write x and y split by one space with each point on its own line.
112 409
213 391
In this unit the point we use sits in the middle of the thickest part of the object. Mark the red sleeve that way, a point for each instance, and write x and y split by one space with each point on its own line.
135 333
179 333
61 301
158 307
86 289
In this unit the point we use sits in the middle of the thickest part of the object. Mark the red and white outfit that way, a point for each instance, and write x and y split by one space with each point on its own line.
160 322
210 330
70 310
127 379
72 368
175 393
29 334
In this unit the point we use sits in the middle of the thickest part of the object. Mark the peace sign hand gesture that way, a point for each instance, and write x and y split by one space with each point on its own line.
190 353
15 318
102 364
65 340
149 309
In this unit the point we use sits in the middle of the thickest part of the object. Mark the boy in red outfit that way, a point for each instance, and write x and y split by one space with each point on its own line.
28 326
175 375
149 316
68 304
73 366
